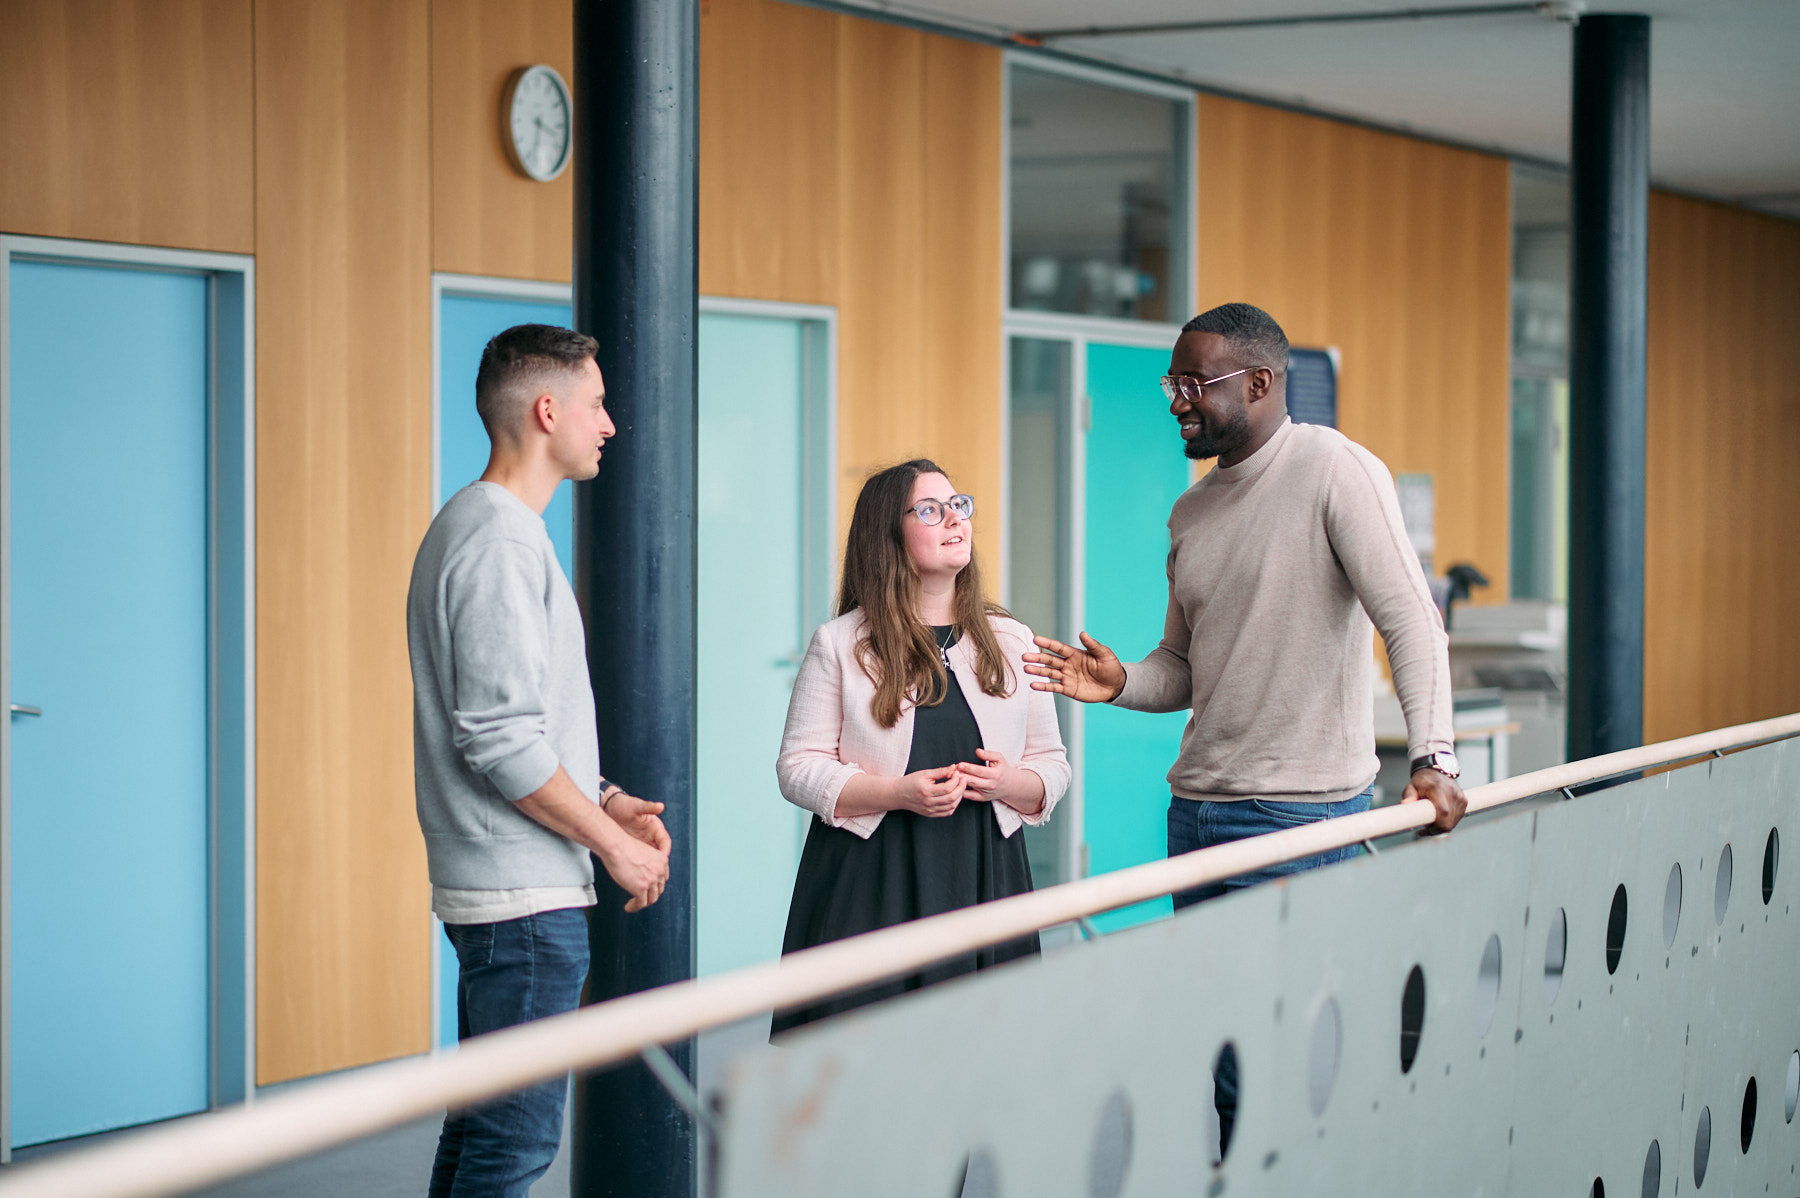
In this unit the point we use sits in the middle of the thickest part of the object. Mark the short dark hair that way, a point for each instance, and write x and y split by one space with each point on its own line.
1249 330
517 363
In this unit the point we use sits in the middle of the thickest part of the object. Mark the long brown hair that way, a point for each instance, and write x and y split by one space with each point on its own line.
897 650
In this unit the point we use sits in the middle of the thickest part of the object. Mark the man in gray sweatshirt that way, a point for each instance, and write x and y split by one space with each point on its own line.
1279 558
506 759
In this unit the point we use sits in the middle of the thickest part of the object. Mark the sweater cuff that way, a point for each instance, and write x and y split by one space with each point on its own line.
524 772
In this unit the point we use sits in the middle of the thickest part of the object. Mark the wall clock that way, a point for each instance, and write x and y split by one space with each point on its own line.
537 122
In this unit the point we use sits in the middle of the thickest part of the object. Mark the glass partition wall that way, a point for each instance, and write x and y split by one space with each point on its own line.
1100 250
1540 385
1097 198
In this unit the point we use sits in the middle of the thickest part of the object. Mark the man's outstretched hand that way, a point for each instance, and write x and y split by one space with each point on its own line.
1442 792
1090 675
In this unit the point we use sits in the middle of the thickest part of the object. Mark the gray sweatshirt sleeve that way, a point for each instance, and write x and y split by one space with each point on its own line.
1163 681
1362 517
499 639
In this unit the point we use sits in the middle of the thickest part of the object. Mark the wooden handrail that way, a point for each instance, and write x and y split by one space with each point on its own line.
207 1149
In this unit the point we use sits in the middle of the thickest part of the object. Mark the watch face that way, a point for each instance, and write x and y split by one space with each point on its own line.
539 123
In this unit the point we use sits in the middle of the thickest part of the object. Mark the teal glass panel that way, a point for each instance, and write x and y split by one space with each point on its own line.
751 630
1135 472
465 325
107 469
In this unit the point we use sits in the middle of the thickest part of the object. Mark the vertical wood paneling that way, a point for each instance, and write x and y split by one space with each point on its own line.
128 122
768 151
343 475
881 235
1721 645
857 164
961 255
487 218
1397 252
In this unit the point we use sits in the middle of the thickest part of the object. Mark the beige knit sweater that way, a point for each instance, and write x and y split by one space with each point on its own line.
1276 567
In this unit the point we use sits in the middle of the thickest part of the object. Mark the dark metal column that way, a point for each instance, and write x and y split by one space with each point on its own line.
637 135
1609 215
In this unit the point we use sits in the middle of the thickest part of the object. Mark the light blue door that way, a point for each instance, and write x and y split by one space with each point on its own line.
1135 472
465 325
107 470
752 612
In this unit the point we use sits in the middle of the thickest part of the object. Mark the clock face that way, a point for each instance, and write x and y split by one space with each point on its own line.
538 118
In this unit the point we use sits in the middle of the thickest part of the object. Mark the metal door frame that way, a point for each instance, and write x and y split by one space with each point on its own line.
1078 333
231 647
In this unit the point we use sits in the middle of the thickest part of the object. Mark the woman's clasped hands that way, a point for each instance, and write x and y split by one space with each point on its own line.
938 792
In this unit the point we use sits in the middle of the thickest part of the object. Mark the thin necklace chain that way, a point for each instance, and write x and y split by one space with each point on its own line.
944 645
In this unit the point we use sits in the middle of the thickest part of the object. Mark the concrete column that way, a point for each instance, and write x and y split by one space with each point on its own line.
1609 216
637 133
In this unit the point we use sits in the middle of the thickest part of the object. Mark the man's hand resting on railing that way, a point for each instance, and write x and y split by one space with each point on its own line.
1443 793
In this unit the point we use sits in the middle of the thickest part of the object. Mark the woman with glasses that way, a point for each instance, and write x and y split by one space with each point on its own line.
912 734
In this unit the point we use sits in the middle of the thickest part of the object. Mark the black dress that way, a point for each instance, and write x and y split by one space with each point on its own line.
912 866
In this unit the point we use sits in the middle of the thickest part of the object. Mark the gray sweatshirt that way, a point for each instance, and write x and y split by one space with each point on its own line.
1276 566
501 695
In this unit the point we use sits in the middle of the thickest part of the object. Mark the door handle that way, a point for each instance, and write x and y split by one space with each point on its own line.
22 709
791 661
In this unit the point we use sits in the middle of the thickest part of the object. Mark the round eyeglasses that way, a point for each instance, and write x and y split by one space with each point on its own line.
931 511
1188 388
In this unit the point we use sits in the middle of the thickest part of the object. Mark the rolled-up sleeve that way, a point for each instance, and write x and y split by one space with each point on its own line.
500 644
809 771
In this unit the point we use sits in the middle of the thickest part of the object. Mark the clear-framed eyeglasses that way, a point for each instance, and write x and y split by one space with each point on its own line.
931 511
1188 388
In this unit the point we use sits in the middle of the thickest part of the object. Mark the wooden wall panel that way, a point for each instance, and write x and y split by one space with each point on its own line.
768 151
129 122
1723 507
1397 252
486 217
343 479
962 259
857 164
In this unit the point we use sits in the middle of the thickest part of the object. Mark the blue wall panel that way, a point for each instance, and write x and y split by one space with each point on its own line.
1135 472
108 475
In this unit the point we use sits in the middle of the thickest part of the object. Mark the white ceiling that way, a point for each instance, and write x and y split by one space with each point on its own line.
1724 74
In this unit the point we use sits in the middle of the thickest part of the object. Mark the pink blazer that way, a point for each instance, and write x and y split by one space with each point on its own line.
832 734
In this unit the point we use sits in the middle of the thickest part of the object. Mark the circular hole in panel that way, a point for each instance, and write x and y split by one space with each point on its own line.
1747 1121
1771 863
1793 1085
1412 1018
1615 930
1487 986
980 1176
1598 1189
1722 887
1702 1146
1556 949
1652 1171
1226 1089
1672 905
1111 1158
1322 1057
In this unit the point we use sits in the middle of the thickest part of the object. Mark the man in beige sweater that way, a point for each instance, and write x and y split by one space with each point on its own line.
1278 561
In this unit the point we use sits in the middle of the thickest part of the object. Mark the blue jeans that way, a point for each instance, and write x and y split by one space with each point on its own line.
1197 825
509 973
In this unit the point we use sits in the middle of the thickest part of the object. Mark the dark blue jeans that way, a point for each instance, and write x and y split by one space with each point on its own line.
1195 825
510 973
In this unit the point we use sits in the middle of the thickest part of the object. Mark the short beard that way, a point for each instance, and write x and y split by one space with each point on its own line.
1233 436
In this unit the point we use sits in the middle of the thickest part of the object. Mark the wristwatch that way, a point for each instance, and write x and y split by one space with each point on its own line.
1443 762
